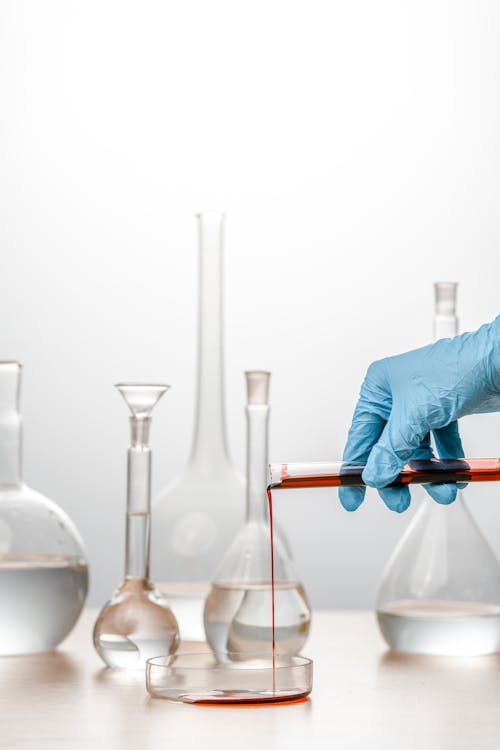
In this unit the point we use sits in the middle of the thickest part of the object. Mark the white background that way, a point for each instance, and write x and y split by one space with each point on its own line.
356 149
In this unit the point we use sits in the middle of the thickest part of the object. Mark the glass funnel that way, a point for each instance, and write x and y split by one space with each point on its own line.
200 512
238 610
43 571
137 623
440 591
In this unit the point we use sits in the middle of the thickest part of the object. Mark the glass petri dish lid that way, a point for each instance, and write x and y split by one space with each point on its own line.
205 678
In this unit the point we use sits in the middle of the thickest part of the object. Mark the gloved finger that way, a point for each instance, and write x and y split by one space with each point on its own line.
444 494
370 415
448 441
364 432
424 451
351 497
441 493
401 437
449 445
369 419
396 498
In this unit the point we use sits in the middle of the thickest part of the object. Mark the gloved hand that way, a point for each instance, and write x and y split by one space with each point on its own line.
405 398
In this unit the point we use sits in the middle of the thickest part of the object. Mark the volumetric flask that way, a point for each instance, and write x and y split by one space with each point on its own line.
440 591
201 678
137 623
198 514
238 613
43 571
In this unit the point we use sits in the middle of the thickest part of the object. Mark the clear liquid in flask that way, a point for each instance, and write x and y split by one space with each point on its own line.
441 627
135 625
41 596
238 617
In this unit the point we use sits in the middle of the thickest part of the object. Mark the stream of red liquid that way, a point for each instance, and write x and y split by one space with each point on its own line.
273 643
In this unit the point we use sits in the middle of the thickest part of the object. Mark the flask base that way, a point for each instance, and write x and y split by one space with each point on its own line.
42 597
440 627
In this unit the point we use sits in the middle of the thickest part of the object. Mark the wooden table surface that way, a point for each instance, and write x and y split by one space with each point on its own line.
363 697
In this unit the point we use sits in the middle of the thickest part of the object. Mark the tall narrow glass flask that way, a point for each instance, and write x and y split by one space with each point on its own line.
43 571
238 609
137 624
199 513
440 592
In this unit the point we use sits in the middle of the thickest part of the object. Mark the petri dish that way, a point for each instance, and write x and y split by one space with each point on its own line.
204 678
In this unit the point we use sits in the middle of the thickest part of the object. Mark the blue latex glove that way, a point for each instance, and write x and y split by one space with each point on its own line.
405 398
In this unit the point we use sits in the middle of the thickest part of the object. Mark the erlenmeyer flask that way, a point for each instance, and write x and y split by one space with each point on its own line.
137 624
43 571
440 591
199 513
238 609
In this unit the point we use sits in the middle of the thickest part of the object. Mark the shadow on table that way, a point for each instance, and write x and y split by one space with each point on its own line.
120 677
30 674
441 673
392 661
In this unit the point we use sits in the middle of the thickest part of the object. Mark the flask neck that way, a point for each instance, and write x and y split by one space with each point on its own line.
445 326
138 525
10 425
445 305
257 456
10 450
141 399
209 449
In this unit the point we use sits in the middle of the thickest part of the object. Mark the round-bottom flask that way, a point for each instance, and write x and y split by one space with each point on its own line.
135 625
43 571
440 593
238 608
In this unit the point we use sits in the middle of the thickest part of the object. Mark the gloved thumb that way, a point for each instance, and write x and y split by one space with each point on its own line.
398 441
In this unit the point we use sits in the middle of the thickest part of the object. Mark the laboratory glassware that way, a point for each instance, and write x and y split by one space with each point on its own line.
201 678
344 474
199 513
43 570
440 591
137 623
238 613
